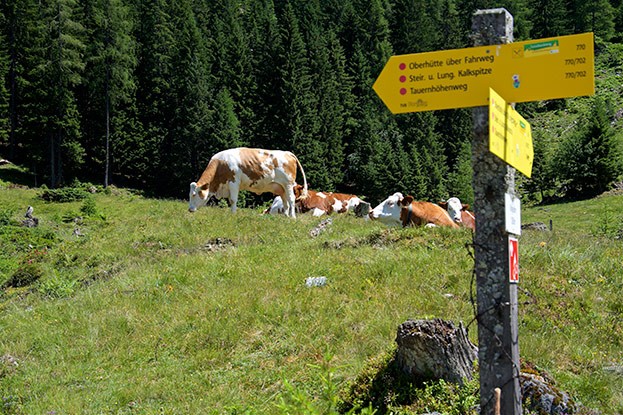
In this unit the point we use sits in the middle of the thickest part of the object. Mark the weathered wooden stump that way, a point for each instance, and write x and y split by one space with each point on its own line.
435 349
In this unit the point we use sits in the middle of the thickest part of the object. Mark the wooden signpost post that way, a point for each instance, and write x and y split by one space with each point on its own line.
517 72
498 329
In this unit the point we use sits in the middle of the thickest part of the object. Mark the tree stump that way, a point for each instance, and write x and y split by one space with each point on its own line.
435 349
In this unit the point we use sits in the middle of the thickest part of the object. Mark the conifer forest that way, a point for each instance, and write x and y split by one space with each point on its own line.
141 93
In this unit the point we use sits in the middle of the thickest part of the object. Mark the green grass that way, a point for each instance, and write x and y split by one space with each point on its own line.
156 310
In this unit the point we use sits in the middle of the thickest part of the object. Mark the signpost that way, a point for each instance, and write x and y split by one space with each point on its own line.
486 77
533 70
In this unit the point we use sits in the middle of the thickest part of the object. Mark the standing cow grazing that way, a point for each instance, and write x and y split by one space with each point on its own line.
259 171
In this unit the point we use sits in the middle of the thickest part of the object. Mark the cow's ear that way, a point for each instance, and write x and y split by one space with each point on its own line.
443 205
407 200
465 206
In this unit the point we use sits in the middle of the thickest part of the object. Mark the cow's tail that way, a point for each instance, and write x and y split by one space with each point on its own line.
304 193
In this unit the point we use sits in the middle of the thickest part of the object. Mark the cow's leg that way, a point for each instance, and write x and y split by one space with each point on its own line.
234 189
289 201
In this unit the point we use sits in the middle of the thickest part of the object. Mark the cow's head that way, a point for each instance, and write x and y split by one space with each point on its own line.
197 197
388 211
362 210
454 208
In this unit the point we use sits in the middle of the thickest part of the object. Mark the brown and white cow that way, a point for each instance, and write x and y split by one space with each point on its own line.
257 170
319 203
398 210
459 213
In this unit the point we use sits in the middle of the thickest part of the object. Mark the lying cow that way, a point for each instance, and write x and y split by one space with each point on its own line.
319 203
459 213
259 171
398 210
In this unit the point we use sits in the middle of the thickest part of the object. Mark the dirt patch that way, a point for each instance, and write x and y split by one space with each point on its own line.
381 239
103 275
217 244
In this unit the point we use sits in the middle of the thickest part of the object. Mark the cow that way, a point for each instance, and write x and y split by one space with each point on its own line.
257 170
398 210
319 203
459 212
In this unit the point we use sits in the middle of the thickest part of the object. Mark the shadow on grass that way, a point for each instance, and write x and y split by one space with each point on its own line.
381 385
19 176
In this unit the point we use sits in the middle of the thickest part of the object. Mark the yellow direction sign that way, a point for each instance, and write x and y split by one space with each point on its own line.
533 70
510 135
497 125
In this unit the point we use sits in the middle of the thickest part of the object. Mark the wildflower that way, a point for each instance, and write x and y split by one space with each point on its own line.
542 244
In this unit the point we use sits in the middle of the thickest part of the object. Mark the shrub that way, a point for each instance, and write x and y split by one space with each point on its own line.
607 224
5 217
24 276
63 195
88 207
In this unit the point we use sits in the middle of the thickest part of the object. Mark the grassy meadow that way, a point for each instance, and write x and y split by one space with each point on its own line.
119 304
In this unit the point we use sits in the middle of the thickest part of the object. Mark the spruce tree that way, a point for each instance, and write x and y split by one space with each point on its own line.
601 19
364 31
590 159
549 18
109 82
190 91
25 38
55 80
335 103
4 95
459 181
427 147
414 26
299 102
455 131
543 181
233 64
261 24
154 73
452 35
520 10
592 16
618 22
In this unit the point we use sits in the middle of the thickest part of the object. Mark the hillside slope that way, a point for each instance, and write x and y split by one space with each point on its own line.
135 305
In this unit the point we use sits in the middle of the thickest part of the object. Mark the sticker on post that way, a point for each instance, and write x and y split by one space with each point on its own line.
513 260
512 206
